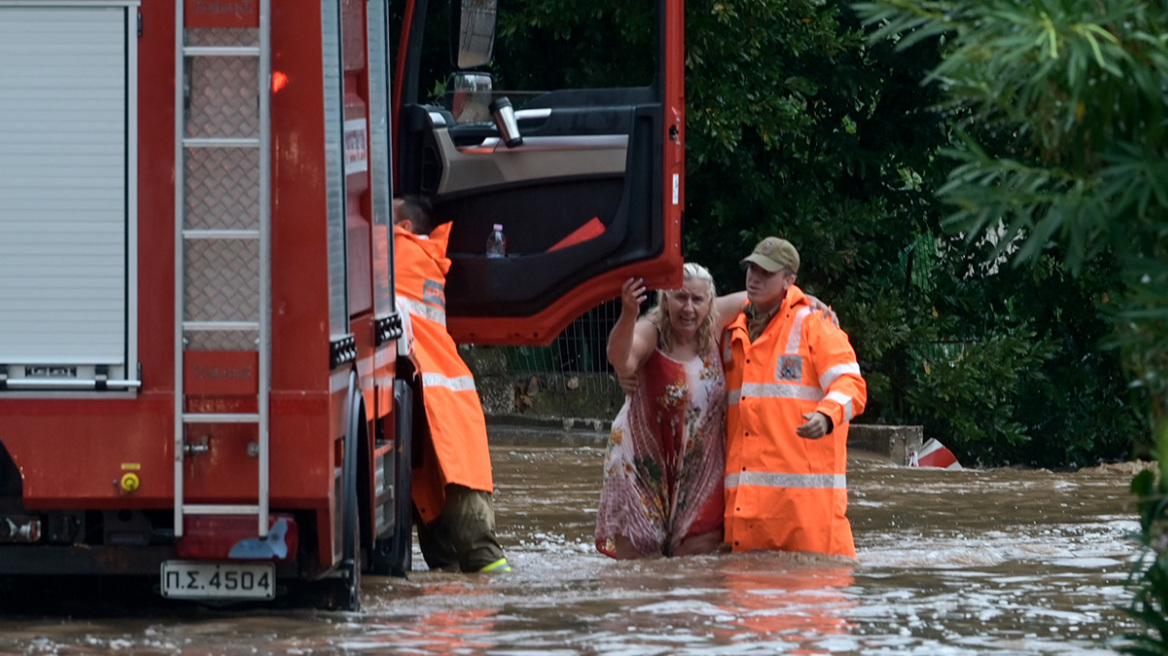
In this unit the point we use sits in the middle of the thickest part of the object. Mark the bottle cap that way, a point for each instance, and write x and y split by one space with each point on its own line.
498 226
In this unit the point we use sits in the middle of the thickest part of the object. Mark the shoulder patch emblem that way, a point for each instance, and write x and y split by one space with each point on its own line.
790 368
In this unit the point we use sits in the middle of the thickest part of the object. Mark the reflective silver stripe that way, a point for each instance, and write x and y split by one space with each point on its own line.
796 331
457 384
419 309
771 479
845 401
830 375
776 391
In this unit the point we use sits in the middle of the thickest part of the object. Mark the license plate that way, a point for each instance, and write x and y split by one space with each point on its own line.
200 580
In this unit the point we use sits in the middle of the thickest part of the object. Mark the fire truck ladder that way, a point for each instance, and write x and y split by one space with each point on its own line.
222 229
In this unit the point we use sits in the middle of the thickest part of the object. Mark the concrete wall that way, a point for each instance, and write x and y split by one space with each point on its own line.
577 409
894 442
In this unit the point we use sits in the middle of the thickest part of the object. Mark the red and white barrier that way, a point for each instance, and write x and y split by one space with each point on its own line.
933 454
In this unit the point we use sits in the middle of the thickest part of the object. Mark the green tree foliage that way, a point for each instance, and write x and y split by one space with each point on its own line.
798 125
1063 155
810 131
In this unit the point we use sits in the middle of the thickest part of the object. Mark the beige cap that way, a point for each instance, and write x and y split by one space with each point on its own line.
773 254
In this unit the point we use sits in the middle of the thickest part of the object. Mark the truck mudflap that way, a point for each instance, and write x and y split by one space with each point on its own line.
233 537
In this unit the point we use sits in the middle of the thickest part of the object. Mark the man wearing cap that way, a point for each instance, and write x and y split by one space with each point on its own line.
793 385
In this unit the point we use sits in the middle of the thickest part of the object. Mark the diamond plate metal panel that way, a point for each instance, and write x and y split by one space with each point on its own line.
222 188
221 280
222 36
220 340
222 100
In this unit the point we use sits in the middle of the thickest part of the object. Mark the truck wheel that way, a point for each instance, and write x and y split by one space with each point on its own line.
347 595
392 556
344 592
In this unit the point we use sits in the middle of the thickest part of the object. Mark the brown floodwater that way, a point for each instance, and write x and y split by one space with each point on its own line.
951 563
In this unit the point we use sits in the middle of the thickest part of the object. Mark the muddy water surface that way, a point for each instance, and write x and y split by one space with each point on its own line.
969 562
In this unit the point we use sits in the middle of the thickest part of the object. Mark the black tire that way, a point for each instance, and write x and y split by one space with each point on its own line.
344 592
393 556
350 581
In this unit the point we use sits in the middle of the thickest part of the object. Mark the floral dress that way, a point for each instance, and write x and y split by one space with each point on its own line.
664 466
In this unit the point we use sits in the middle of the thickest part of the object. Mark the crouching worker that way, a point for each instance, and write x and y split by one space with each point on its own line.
453 507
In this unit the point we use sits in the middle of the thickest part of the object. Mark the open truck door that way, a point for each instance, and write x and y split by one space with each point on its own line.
587 184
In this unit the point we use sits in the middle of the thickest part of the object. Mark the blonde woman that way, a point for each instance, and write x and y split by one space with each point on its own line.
663 470
664 464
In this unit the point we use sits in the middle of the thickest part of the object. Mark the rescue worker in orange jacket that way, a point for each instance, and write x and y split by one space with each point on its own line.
793 384
452 489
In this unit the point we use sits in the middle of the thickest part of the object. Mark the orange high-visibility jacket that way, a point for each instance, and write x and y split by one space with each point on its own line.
784 491
458 428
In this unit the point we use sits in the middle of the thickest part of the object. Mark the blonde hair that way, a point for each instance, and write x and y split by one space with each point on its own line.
660 318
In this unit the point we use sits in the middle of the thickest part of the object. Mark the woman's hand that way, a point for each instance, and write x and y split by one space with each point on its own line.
633 295
628 383
631 340
819 306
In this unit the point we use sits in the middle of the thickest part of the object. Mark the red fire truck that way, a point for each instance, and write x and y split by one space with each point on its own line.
203 376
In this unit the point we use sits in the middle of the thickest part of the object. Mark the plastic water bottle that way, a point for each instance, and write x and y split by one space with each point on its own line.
496 242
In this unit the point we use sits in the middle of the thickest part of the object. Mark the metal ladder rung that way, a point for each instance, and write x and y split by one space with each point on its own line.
221 234
220 142
221 51
207 509
220 418
225 326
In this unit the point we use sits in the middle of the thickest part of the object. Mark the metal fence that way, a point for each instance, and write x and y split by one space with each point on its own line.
576 352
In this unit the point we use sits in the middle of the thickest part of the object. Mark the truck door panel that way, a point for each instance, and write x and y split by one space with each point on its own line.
542 192
576 200
591 196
